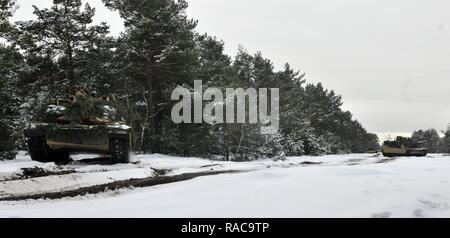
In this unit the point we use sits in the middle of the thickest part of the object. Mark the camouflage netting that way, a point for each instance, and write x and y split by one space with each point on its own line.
85 110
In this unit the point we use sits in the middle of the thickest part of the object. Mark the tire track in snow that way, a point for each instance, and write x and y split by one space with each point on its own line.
131 183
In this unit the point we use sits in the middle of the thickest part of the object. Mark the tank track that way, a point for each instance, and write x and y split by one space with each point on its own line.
39 151
119 148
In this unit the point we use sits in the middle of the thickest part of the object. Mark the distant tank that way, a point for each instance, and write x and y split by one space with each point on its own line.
82 123
403 146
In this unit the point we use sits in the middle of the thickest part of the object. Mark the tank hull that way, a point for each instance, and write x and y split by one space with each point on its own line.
68 139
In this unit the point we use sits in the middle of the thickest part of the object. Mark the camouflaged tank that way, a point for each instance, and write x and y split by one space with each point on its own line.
80 124
403 146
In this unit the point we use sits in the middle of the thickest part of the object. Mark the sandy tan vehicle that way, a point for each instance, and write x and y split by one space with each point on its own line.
80 124
403 146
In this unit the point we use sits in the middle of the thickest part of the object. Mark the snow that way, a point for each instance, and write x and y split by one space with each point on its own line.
358 185
141 104
70 181
11 168
55 109
119 126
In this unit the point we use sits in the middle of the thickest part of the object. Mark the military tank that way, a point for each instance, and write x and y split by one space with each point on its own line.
81 124
403 146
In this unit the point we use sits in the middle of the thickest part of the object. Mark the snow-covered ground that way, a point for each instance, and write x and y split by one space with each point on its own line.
358 185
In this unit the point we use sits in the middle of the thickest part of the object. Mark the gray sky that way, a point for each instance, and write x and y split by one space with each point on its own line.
389 59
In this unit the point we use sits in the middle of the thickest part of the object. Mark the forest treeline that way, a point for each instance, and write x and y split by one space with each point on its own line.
432 140
43 59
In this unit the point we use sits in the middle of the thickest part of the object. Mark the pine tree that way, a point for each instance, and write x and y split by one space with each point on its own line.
6 11
9 102
214 70
445 143
428 138
10 58
157 52
63 33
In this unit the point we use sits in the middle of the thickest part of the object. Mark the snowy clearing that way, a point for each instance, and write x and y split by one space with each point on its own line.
358 185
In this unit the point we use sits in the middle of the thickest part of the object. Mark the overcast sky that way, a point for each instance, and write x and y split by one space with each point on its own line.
389 59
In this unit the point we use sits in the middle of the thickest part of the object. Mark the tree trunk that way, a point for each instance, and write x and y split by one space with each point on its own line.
151 109
155 117
144 121
70 71
69 51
